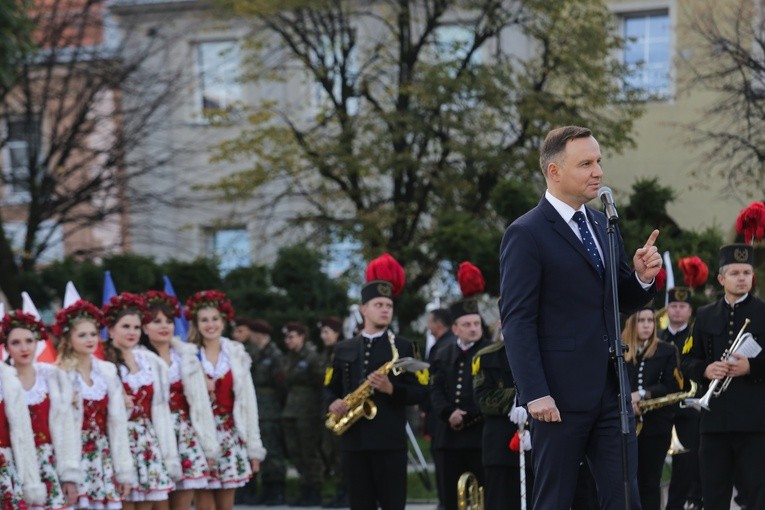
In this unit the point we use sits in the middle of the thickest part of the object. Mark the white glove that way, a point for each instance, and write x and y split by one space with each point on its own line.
526 440
517 415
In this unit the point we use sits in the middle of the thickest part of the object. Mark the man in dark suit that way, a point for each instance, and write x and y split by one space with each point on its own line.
440 326
559 327
375 451
732 446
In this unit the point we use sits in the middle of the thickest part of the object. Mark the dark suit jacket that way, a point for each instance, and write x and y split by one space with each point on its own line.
354 360
557 315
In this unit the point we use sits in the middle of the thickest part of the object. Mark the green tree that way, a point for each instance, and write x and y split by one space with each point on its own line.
78 111
647 210
15 28
422 113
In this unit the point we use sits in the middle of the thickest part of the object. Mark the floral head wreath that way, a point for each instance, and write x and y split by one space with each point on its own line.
18 319
159 297
124 301
81 309
212 299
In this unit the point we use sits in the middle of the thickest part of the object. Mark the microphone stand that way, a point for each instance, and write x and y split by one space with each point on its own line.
617 353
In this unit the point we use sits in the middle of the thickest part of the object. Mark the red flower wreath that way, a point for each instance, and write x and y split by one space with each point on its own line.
125 300
18 319
157 296
81 309
212 299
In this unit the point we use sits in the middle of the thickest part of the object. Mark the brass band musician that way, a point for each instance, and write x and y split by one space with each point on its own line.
375 450
652 366
733 429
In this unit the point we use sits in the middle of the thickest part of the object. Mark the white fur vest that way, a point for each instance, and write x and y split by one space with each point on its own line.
245 401
22 440
66 443
160 412
124 467
195 391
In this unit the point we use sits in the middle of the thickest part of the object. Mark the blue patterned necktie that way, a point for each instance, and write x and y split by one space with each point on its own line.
588 241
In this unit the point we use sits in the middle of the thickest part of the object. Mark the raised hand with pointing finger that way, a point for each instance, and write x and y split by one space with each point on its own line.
647 260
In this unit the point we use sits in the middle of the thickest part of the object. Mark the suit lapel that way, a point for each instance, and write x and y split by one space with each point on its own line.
564 230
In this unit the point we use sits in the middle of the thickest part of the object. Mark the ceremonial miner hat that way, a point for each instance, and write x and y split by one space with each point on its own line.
679 294
471 283
385 278
737 253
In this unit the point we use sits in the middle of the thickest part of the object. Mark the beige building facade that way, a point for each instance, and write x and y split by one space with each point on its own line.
662 42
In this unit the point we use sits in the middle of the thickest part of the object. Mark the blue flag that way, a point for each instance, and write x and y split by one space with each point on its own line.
109 292
181 324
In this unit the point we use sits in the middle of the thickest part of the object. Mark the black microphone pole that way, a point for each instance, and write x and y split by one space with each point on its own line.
616 346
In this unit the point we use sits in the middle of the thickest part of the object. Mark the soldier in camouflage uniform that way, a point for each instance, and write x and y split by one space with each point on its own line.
331 333
268 374
301 417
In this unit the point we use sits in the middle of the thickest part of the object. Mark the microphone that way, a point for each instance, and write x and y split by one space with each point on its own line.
607 197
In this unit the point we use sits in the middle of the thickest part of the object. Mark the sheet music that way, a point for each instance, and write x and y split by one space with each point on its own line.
749 346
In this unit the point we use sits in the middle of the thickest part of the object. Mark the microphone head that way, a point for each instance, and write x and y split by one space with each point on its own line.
605 190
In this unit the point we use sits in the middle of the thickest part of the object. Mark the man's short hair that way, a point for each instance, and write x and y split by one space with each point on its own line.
442 315
555 143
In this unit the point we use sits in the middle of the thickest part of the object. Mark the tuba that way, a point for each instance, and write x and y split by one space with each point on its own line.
469 493
359 401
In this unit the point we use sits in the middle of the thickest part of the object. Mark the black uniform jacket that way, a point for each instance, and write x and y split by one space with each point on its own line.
451 387
354 360
742 407
683 340
659 375
494 391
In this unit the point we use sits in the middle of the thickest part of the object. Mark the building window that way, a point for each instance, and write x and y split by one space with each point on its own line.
218 64
647 52
21 151
230 247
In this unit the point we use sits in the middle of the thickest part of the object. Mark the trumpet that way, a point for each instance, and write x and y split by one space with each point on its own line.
717 386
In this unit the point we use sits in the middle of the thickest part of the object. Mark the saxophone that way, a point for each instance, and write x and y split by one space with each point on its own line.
359 401
666 400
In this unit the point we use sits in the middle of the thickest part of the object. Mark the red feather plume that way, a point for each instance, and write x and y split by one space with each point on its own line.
661 279
695 271
470 279
385 267
751 222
